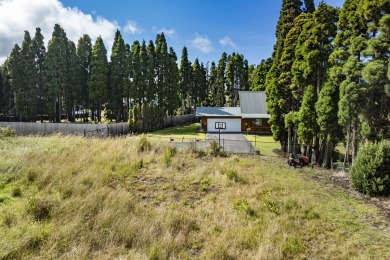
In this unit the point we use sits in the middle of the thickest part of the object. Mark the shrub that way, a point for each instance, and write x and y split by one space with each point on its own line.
370 173
169 152
214 148
6 132
143 144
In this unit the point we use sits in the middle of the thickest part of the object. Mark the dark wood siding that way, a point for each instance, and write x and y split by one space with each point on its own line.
248 123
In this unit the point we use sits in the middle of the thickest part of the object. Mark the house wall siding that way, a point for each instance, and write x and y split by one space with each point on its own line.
247 123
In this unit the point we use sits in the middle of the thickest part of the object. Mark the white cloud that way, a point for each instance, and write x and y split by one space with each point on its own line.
171 33
226 41
16 16
202 43
132 28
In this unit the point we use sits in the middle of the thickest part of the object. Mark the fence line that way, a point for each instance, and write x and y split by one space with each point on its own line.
23 128
202 143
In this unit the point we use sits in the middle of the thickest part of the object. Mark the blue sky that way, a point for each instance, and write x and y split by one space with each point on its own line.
206 27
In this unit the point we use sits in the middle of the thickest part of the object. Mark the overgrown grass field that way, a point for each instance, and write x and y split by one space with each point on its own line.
69 197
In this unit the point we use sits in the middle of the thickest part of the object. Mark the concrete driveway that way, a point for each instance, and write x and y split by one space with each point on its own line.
233 142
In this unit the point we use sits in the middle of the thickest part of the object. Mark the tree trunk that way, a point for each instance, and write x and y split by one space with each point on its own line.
354 142
99 112
289 148
346 156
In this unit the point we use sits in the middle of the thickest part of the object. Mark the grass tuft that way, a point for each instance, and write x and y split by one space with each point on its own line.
16 192
143 144
41 208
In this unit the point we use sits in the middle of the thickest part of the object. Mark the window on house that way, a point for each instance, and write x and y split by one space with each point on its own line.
257 122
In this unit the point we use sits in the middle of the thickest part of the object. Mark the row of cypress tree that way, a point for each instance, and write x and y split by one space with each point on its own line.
328 80
68 79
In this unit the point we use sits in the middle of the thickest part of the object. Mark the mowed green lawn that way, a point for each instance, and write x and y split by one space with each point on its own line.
67 197
177 133
263 143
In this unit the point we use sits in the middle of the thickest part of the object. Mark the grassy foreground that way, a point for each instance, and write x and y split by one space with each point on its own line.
69 197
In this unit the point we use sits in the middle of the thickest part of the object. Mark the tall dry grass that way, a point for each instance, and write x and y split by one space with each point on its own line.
69 197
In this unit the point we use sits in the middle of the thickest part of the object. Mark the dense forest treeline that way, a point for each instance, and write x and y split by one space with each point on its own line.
327 82
141 79
329 79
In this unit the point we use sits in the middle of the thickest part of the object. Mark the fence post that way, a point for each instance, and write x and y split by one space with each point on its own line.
108 131
223 145
85 133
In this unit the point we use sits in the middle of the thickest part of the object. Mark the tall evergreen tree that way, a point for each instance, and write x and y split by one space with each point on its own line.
213 85
56 72
118 76
128 82
350 43
307 127
312 52
26 98
221 81
258 75
197 83
151 73
8 104
277 95
15 72
172 89
136 75
84 53
376 119
203 90
185 80
73 89
39 50
162 61
98 77
144 67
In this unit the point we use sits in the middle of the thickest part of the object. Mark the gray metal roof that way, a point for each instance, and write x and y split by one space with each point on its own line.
253 104
218 111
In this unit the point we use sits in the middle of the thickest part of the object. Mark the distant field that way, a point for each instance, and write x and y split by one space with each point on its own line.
76 198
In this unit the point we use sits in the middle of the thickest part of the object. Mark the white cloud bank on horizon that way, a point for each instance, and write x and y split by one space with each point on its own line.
17 16
227 41
202 43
